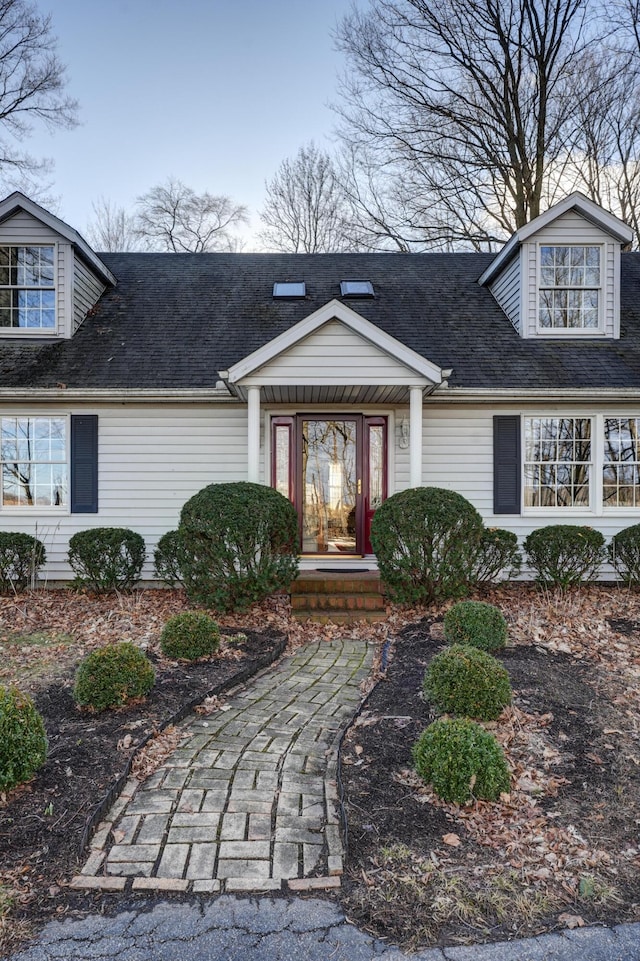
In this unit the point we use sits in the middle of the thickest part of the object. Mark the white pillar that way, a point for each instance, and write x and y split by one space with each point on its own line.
253 434
415 436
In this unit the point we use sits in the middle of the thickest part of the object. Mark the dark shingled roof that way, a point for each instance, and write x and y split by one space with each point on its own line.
175 320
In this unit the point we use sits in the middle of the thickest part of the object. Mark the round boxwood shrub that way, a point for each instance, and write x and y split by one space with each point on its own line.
21 557
113 675
166 558
23 742
464 680
461 761
190 635
497 557
476 623
425 539
624 554
239 544
564 554
106 558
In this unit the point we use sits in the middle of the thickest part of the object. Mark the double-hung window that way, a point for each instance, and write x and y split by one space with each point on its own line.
27 287
621 467
34 462
558 462
569 293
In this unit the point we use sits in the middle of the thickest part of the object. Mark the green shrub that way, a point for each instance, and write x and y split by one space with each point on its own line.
425 539
564 554
466 681
475 623
106 558
167 559
23 742
461 761
624 554
190 635
239 544
21 557
113 675
497 557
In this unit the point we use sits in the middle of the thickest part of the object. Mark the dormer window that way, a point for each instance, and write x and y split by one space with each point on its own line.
569 291
27 289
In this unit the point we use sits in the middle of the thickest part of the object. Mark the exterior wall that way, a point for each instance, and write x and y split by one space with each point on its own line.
150 461
571 228
334 354
506 289
87 289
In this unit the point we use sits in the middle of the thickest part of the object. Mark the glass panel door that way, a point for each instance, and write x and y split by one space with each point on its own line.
330 485
375 472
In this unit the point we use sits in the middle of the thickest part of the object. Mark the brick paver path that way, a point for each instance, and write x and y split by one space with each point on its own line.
248 800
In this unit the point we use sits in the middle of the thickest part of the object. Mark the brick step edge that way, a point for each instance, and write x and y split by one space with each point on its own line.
336 586
338 617
338 602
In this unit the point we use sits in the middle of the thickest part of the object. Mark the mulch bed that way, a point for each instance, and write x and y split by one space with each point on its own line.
562 849
42 823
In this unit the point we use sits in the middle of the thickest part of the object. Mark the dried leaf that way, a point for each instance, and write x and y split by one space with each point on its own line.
453 840
571 921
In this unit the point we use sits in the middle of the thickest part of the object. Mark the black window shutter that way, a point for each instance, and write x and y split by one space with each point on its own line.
507 466
84 464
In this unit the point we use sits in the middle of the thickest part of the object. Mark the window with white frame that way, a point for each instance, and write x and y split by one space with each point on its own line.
569 288
558 462
621 467
34 462
27 287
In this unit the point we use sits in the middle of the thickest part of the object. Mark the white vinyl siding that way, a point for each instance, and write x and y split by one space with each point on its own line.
150 461
334 355
506 289
571 229
87 290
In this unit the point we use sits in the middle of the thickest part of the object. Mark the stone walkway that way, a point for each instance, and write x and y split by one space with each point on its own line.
248 800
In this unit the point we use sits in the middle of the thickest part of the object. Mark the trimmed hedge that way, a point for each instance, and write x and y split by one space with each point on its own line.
565 554
466 681
497 557
624 554
23 741
166 559
106 558
425 540
238 543
190 636
477 624
113 675
461 761
21 557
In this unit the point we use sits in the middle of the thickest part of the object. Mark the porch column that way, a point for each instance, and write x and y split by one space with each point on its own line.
253 434
415 436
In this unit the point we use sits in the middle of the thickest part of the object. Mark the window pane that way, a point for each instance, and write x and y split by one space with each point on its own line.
34 469
282 460
558 456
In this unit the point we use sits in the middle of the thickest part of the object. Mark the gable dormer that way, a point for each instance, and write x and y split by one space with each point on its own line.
49 276
559 275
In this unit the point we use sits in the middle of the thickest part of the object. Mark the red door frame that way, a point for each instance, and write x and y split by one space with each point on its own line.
364 512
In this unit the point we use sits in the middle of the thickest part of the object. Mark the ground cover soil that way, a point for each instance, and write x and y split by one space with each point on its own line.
42 638
562 849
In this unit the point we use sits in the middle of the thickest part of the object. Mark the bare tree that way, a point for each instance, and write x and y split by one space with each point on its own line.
32 88
466 104
112 227
306 208
173 217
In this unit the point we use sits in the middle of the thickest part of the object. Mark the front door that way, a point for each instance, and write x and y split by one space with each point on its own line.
333 467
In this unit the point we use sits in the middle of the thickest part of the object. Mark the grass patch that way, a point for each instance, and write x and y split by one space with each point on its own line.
39 639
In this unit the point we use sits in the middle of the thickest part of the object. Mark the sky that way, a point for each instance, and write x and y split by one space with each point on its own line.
213 92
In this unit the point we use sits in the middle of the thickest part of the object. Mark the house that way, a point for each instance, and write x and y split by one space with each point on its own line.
130 381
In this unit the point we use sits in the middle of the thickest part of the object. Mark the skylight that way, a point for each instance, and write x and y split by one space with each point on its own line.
290 290
356 288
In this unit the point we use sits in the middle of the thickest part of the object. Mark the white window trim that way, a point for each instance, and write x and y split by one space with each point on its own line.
38 332
596 485
564 332
40 510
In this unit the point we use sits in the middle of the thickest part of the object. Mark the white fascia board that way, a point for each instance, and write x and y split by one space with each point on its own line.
334 310
107 395
494 396
591 211
18 201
